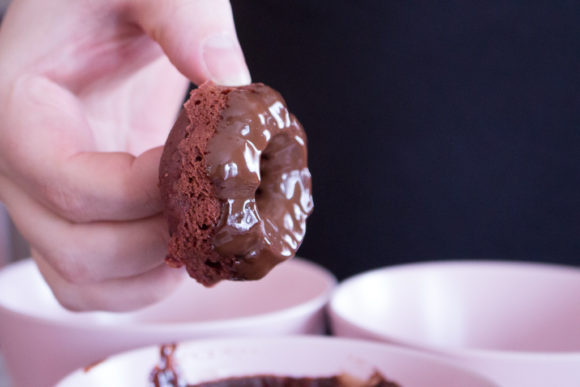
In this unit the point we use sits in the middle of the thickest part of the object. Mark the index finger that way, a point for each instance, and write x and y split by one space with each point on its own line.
198 37
47 148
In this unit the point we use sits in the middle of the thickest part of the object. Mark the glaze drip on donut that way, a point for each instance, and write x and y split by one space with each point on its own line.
235 183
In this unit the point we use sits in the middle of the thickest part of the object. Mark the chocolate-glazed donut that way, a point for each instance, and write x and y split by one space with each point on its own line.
235 183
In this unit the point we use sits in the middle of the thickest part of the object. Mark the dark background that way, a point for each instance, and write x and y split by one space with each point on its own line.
437 130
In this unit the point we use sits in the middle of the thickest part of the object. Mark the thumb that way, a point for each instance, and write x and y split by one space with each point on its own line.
198 36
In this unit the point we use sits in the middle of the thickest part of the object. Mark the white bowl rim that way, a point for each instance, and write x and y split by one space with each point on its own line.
302 338
312 304
463 352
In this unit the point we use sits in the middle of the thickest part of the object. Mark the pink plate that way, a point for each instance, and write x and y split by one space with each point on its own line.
37 334
202 361
518 323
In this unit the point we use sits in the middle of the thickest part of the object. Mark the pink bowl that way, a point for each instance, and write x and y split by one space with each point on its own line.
518 323
202 361
41 342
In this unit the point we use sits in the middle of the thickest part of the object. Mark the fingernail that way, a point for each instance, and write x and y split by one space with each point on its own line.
225 61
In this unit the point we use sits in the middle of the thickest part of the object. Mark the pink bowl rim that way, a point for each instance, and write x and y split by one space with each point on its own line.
304 308
463 352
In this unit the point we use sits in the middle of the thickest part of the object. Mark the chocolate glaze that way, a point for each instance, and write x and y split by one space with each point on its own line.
235 182
257 161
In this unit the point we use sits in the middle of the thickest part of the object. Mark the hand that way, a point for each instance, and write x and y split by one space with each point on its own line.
88 93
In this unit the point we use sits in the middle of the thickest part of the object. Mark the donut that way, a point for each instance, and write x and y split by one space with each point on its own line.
235 183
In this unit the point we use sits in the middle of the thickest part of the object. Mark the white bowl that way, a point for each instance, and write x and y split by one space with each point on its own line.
204 361
41 342
518 323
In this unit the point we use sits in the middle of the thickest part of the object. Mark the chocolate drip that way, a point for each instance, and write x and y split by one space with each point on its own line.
166 373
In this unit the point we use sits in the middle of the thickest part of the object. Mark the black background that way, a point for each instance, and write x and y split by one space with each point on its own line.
437 130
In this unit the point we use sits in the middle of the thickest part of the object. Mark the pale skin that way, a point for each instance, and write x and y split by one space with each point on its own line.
89 90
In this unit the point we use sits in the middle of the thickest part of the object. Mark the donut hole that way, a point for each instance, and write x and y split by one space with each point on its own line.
264 168
282 155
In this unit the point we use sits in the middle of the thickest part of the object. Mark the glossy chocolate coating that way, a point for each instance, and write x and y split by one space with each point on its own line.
256 161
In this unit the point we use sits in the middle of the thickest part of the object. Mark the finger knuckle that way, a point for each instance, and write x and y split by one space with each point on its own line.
66 203
73 268
66 296
74 299
68 302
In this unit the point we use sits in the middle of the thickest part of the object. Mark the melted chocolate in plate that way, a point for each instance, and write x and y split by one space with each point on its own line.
299 357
